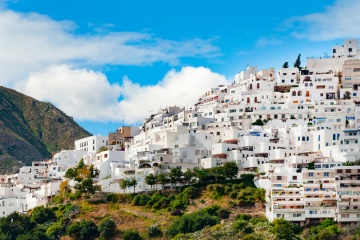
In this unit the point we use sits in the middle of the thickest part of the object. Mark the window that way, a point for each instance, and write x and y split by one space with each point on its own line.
348 170
278 177
294 178
350 49
339 171
326 174
311 174
334 50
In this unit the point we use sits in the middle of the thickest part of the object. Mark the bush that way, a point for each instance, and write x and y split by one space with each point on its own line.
233 194
245 217
41 215
242 226
112 198
85 229
256 220
223 213
195 221
33 235
176 204
132 235
154 231
55 231
106 228
176 212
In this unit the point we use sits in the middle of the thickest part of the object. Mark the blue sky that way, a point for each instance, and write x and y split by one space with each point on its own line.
108 61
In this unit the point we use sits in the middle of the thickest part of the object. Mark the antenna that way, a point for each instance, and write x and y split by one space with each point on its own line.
123 119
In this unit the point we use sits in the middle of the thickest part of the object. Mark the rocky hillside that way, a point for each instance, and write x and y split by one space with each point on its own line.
31 130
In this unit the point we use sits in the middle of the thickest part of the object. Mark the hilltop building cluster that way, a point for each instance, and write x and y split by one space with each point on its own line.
297 128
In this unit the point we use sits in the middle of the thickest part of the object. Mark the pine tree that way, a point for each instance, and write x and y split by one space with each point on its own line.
298 62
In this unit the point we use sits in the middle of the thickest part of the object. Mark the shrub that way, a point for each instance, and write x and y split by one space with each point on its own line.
223 213
243 226
55 231
85 229
256 220
233 194
111 197
41 215
176 212
245 217
132 235
154 231
107 228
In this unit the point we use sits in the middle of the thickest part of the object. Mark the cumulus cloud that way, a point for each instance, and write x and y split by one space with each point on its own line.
86 94
340 20
31 42
81 93
177 88
50 61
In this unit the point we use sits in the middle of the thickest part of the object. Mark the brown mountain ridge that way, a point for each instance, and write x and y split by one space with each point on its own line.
31 130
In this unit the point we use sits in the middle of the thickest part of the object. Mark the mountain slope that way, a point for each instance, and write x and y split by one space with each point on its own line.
31 130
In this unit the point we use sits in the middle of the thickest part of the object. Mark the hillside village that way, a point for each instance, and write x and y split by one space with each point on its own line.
296 129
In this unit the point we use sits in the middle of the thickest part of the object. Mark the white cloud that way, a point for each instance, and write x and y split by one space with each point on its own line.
263 42
48 60
177 88
81 93
86 94
31 42
340 20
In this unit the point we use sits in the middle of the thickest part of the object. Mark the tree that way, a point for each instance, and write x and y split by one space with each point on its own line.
175 175
107 228
86 187
188 175
150 180
124 184
282 229
217 172
285 65
230 170
298 62
258 122
64 188
13 225
42 215
70 173
55 230
132 183
161 177
201 174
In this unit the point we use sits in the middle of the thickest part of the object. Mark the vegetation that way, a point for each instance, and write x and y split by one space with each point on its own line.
297 63
38 127
258 122
191 212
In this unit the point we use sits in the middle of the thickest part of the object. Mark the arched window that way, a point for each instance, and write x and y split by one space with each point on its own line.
299 93
294 93
306 84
